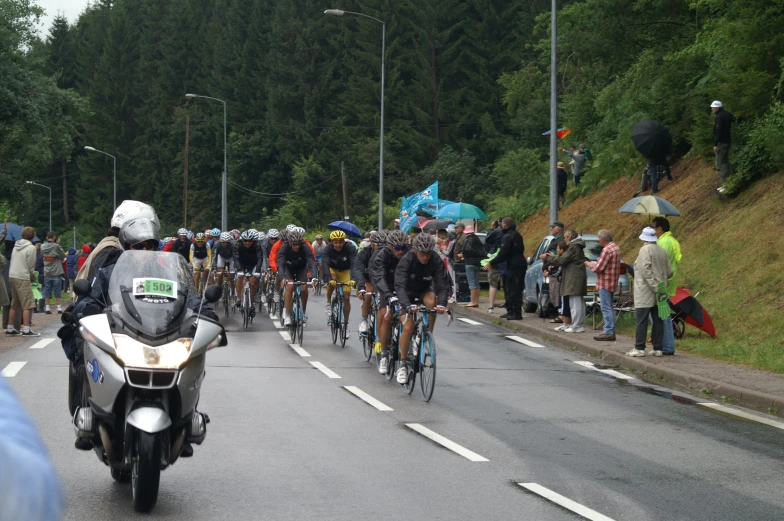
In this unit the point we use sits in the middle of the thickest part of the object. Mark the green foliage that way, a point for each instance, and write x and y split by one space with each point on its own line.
762 152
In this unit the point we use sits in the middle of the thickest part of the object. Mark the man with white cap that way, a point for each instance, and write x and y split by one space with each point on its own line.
651 268
721 141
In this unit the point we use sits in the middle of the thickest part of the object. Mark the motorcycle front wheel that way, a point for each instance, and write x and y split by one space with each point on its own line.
146 471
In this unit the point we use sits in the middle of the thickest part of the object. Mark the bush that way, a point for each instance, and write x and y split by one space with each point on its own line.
762 152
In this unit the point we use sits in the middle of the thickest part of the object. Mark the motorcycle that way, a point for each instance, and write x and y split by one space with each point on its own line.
144 359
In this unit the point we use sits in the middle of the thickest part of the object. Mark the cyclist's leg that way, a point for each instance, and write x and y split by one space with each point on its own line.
220 264
289 292
303 277
366 303
345 277
232 270
330 288
240 287
254 288
429 300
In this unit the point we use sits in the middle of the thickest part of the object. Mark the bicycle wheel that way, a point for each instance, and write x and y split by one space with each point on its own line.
300 324
427 364
226 300
411 382
333 322
369 338
392 367
343 328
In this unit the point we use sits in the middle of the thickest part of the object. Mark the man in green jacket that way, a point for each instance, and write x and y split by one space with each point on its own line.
673 249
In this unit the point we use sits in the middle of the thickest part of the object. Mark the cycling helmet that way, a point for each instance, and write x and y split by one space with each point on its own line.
284 234
290 227
273 233
200 237
182 231
133 210
225 237
397 238
296 235
300 229
424 242
319 237
248 235
337 235
167 240
215 232
134 231
378 237
261 236
235 234
254 231
190 235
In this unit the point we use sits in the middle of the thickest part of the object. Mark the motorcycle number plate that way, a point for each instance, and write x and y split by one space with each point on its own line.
154 287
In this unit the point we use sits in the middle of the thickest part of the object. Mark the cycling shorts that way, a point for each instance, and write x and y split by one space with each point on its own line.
341 276
249 268
296 275
414 296
222 263
200 264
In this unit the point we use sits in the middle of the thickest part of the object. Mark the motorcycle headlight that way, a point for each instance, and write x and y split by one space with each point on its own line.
167 356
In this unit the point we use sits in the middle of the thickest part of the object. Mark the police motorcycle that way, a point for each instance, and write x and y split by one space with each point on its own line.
144 359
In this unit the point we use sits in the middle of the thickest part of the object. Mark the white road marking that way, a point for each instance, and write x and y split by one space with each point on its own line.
42 343
609 372
449 444
299 350
12 368
742 414
565 502
362 395
524 341
326 370
277 324
469 321
285 335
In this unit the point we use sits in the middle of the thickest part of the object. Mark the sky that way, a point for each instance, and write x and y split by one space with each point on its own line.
70 8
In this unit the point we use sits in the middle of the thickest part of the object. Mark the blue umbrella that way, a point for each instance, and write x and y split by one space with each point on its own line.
346 227
461 211
14 232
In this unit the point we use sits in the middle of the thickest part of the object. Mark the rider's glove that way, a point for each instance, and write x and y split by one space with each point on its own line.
413 307
392 300
441 309
352 283
314 282
332 282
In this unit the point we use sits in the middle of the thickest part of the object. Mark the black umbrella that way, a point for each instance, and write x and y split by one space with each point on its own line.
437 224
652 139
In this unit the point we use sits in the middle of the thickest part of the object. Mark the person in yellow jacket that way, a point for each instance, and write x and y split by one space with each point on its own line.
673 249
201 258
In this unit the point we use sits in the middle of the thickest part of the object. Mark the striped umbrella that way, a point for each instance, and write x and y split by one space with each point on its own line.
649 205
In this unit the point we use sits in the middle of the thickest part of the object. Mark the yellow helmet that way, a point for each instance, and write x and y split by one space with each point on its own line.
337 235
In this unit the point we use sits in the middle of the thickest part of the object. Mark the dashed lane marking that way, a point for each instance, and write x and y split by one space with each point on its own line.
42 343
365 397
608 372
742 414
564 502
469 321
277 324
326 370
524 341
444 442
12 369
285 335
299 350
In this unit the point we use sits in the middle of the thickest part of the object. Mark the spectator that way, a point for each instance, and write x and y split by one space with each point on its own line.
29 487
562 183
608 270
21 274
396 223
578 156
673 249
83 256
555 297
651 268
574 281
39 267
457 250
561 303
721 141
71 261
492 244
473 253
7 251
512 251
5 300
53 271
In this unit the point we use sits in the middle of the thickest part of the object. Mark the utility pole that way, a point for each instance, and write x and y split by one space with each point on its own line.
185 183
553 117
345 190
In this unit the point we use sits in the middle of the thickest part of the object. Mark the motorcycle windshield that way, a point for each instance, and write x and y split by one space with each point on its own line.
148 290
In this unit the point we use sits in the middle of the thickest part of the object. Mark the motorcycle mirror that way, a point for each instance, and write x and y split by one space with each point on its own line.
213 293
81 288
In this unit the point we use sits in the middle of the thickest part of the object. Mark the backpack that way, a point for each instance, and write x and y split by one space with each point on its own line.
588 154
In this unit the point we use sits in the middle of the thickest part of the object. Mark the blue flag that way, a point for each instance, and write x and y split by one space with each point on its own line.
411 205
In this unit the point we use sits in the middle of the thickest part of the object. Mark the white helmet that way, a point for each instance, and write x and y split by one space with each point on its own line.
133 210
716 104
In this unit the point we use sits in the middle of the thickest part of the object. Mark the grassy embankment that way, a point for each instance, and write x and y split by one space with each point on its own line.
733 254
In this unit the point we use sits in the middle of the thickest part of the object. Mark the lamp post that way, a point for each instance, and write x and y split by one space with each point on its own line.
91 149
340 12
224 203
553 122
50 201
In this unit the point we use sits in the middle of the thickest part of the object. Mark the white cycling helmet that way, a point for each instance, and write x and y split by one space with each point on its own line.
182 231
133 210
290 227
225 237
296 235
273 233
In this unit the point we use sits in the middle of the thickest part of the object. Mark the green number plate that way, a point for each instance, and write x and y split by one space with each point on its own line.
155 287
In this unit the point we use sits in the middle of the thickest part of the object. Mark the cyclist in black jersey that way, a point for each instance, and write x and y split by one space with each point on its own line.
295 261
248 259
223 258
360 274
183 245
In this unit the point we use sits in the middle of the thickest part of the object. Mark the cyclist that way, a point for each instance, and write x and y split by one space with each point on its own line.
273 261
420 275
223 258
214 237
182 245
364 285
382 276
339 258
249 260
294 262
318 248
201 258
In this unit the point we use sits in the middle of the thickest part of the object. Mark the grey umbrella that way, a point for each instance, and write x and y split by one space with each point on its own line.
649 205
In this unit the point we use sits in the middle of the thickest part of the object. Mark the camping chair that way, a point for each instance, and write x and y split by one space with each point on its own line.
623 304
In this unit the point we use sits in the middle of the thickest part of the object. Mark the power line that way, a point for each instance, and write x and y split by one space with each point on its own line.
254 192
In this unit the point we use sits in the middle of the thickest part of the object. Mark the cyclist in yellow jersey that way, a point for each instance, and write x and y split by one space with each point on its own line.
338 257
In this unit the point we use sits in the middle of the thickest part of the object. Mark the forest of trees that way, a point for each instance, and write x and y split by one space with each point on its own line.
467 101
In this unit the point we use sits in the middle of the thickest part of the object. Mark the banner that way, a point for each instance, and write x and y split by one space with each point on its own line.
412 204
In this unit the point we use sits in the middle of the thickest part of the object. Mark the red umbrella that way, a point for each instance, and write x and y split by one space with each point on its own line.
691 311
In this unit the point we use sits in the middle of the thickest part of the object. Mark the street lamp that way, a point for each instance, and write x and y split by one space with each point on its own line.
50 201
91 149
553 123
340 12
224 202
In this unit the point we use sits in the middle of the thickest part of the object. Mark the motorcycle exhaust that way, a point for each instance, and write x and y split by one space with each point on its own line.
107 443
197 430
84 423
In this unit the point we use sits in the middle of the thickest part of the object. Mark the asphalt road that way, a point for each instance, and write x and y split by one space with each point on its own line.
287 442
